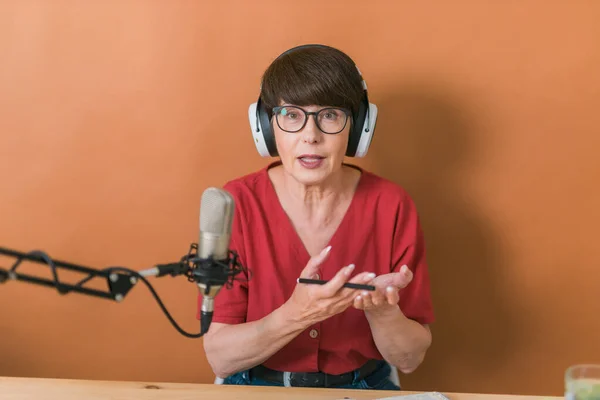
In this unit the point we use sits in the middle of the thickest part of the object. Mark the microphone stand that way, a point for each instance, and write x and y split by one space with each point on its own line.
210 275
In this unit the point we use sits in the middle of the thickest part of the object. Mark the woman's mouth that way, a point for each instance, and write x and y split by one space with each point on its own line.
310 161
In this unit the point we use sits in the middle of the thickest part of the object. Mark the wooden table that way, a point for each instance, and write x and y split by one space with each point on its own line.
65 389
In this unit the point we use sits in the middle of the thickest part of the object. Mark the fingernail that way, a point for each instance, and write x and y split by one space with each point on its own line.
349 269
326 250
364 293
358 297
404 269
389 289
371 275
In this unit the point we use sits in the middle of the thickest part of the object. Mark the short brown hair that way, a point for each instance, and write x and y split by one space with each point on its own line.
312 75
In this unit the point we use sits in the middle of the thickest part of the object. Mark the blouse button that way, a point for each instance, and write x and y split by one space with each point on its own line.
313 333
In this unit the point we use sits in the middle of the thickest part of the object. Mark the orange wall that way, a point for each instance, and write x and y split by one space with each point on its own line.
116 115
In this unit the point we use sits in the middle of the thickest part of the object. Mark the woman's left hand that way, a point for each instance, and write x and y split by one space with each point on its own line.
385 297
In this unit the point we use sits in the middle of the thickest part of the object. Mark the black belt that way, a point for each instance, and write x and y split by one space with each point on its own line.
314 379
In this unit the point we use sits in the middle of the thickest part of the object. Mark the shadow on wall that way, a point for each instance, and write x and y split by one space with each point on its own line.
15 360
424 141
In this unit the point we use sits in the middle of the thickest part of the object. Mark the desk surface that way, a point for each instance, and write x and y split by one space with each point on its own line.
66 389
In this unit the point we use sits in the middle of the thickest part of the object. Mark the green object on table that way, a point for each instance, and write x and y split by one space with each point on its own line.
587 391
582 382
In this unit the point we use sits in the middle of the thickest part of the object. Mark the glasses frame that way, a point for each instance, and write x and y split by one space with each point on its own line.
307 114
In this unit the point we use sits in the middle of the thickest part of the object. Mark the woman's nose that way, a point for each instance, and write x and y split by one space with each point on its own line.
311 132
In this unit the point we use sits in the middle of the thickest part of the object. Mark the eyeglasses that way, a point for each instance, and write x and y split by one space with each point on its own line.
293 119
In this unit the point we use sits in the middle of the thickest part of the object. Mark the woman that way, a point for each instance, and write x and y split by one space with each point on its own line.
311 215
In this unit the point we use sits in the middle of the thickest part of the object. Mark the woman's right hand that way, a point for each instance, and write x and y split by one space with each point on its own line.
314 303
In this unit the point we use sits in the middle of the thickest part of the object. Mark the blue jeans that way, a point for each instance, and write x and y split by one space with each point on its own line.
378 380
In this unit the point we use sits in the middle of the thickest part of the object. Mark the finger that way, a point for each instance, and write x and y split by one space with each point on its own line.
397 279
362 278
366 300
377 298
385 280
358 304
313 264
406 276
336 283
391 295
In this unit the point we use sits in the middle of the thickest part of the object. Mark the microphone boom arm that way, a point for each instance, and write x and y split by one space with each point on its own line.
120 280
118 283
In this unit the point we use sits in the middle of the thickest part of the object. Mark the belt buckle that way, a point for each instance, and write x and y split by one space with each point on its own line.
287 379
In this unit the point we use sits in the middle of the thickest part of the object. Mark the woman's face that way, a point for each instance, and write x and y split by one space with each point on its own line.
310 155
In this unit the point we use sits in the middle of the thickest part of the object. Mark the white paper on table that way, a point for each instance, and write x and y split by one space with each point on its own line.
416 396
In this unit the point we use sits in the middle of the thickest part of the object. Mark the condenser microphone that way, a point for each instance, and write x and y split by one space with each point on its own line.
216 219
213 265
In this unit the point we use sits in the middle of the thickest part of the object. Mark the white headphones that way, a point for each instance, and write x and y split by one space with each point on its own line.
361 130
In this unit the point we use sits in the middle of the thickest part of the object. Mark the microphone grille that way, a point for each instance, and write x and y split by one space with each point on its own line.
216 211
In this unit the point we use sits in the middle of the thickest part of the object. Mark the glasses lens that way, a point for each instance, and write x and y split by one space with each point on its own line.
332 120
290 118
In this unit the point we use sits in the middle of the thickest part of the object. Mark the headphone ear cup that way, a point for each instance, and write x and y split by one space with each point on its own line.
356 131
367 132
257 132
264 140
267 131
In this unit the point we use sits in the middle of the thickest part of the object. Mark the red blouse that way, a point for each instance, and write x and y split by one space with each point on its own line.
379 233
